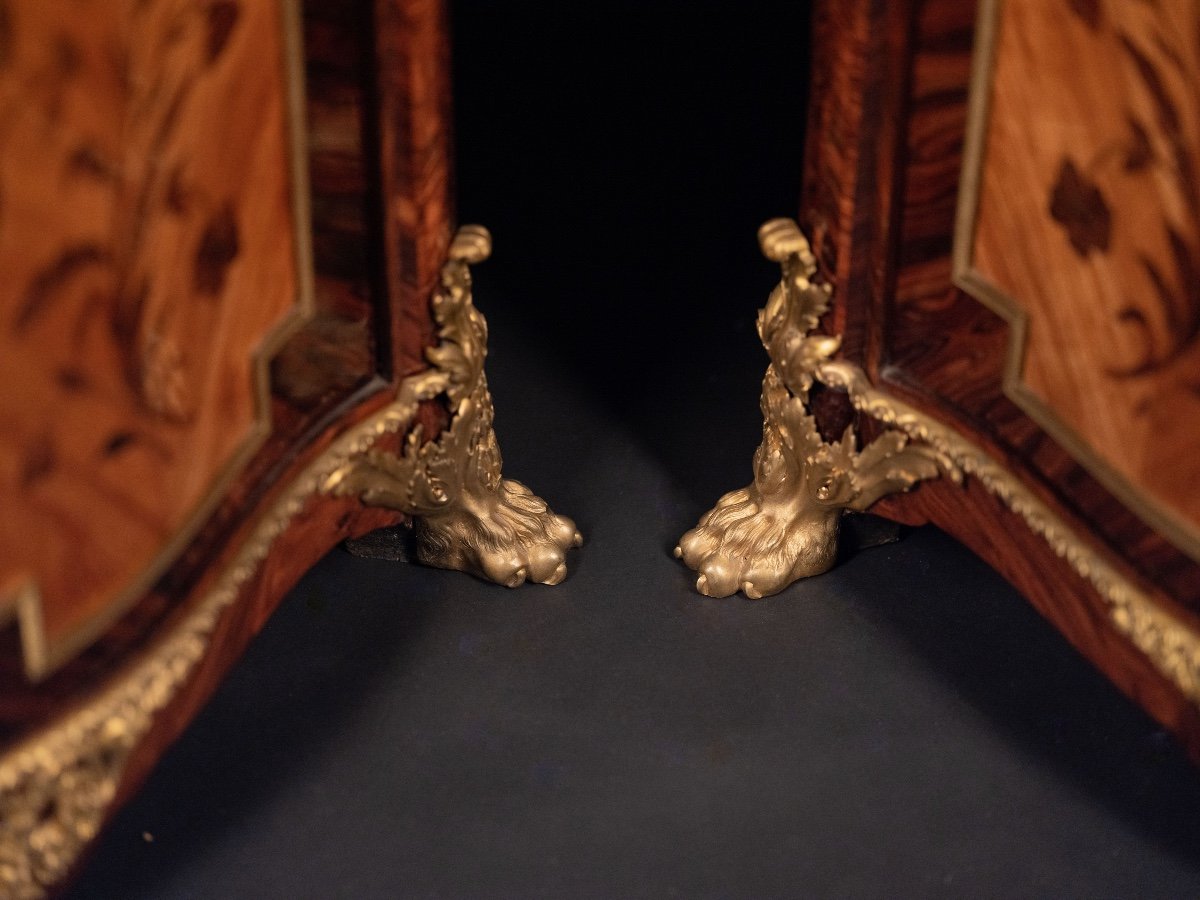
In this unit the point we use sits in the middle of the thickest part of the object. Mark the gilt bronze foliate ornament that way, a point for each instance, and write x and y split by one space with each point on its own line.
784 525
467 516
57 785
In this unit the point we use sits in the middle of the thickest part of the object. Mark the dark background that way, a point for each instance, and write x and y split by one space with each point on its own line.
905 725
624 155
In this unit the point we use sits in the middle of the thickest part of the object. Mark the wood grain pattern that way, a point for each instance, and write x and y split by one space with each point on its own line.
314 397
947 350
413 94
367 62
1088 224
148 244
886 139
339 368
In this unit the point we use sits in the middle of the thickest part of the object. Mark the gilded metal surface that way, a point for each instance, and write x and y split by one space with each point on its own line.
1163 637
784 525
56 786
761 519
467 516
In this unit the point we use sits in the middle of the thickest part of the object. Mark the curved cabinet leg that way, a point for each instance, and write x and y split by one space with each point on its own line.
468 517
784 525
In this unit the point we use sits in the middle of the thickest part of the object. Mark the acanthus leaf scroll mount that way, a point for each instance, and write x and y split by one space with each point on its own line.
467 516
784 525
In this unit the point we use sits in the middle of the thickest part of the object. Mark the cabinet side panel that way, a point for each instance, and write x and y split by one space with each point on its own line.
1086 230
926 342
149 251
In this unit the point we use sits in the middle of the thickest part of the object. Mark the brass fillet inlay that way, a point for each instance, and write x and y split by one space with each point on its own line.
1177 529
42 657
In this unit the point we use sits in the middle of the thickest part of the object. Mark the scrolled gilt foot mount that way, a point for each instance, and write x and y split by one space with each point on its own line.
784 525
467 517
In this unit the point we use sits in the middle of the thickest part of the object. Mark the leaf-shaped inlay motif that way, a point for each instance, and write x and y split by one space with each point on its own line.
1079 205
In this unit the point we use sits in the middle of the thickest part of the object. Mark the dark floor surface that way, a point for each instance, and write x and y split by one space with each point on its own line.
904 726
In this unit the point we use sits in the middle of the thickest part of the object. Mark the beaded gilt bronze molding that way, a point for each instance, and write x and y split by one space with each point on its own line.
784 525
57 785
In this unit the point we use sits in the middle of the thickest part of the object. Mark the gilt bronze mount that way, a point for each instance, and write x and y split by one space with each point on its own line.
57 786
467 516
784 525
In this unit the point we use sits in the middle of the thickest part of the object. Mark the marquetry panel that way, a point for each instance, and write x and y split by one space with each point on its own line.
1082 226
148 242
888 173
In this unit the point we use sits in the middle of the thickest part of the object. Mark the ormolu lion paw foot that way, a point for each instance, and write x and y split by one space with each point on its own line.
466 516
741 546
784 526
508 536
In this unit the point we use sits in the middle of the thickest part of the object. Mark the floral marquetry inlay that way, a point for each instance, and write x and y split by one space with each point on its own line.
1081 225
149 244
